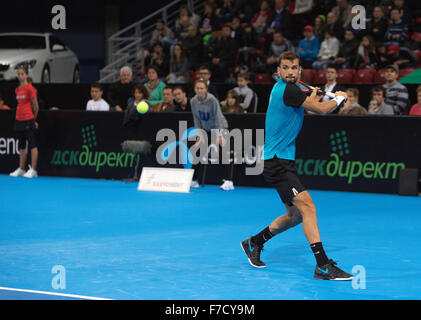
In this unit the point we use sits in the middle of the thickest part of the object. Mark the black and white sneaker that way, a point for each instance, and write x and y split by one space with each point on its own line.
330 272
253 253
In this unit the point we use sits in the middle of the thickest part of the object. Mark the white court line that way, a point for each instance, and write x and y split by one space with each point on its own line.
53 293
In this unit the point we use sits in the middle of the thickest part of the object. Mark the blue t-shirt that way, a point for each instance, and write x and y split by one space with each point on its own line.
284 118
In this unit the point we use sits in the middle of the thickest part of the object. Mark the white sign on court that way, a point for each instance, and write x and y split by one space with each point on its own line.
165 179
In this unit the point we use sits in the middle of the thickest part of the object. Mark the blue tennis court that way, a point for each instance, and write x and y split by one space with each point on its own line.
111 241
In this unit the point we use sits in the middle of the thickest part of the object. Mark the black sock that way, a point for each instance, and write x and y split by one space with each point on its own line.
319 253
262 237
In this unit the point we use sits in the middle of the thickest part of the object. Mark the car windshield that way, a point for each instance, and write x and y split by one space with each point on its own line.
22 42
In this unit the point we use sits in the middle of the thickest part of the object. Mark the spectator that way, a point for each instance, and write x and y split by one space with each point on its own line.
209 21
159 60
308 48
319 27
97 103
329 49
232 103
281 19
261 19
279 44
120 92
167 105
396 93
377 25
246 96
162 34
226 12
334 26
182 103
378 106
2 105
416 108
406 14
179 71
331 85
381 56
207 115
181 30
237 30
401 57
206 74
366 57
397 29
154 85
193 18
247 42
348 51
344 12
245 9
352 103
223 55
193 47
140 93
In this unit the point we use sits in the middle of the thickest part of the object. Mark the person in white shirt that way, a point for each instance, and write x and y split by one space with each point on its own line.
97 103
329 49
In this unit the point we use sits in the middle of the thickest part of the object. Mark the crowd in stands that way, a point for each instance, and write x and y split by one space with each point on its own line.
234 40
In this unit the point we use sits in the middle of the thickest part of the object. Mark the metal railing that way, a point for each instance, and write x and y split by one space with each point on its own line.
127 47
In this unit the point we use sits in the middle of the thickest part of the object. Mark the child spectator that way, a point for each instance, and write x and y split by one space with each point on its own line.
246 96
97 103
232 103
308 48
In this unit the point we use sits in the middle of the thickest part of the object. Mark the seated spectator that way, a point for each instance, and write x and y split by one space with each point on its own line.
401 57
97 103
167 105
279 45
226 12
223 55
184 11
354 111
396 93
378 106
397 30
246 96
209 21
334 26
245 9
247 42
181 101
179 71
232 103
193 47
206 74
377 25
261 19
381 56
319 27
329 49
182 28
2 105
162 34
416 108
236 30
331 85
406 13
154 85
344 12
281 19
158 58
140 93
348 51
308 48
366 57
352 102
121 91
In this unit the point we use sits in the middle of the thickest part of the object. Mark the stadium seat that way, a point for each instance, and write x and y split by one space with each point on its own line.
379 76
406 71
319 76
262 78
345 76
416 36
417 54
308 75
193 75
364 76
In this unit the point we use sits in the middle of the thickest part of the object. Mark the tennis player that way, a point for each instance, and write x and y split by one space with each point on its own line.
284 119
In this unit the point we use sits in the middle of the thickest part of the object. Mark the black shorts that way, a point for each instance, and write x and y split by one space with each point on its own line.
282 174
25 132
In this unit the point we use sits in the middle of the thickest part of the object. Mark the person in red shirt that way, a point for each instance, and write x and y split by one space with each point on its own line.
25 124
416 108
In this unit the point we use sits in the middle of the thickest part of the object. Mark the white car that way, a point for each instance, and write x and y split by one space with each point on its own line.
48 59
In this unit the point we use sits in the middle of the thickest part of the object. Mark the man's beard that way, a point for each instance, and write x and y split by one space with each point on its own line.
290 79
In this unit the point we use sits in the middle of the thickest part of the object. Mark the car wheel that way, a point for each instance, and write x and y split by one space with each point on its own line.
76 75
45 77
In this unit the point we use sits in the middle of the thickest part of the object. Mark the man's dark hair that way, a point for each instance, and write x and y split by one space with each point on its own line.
378 89
179 88
289 55
97 85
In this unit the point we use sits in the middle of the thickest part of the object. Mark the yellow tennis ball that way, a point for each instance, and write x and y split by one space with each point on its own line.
142 107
